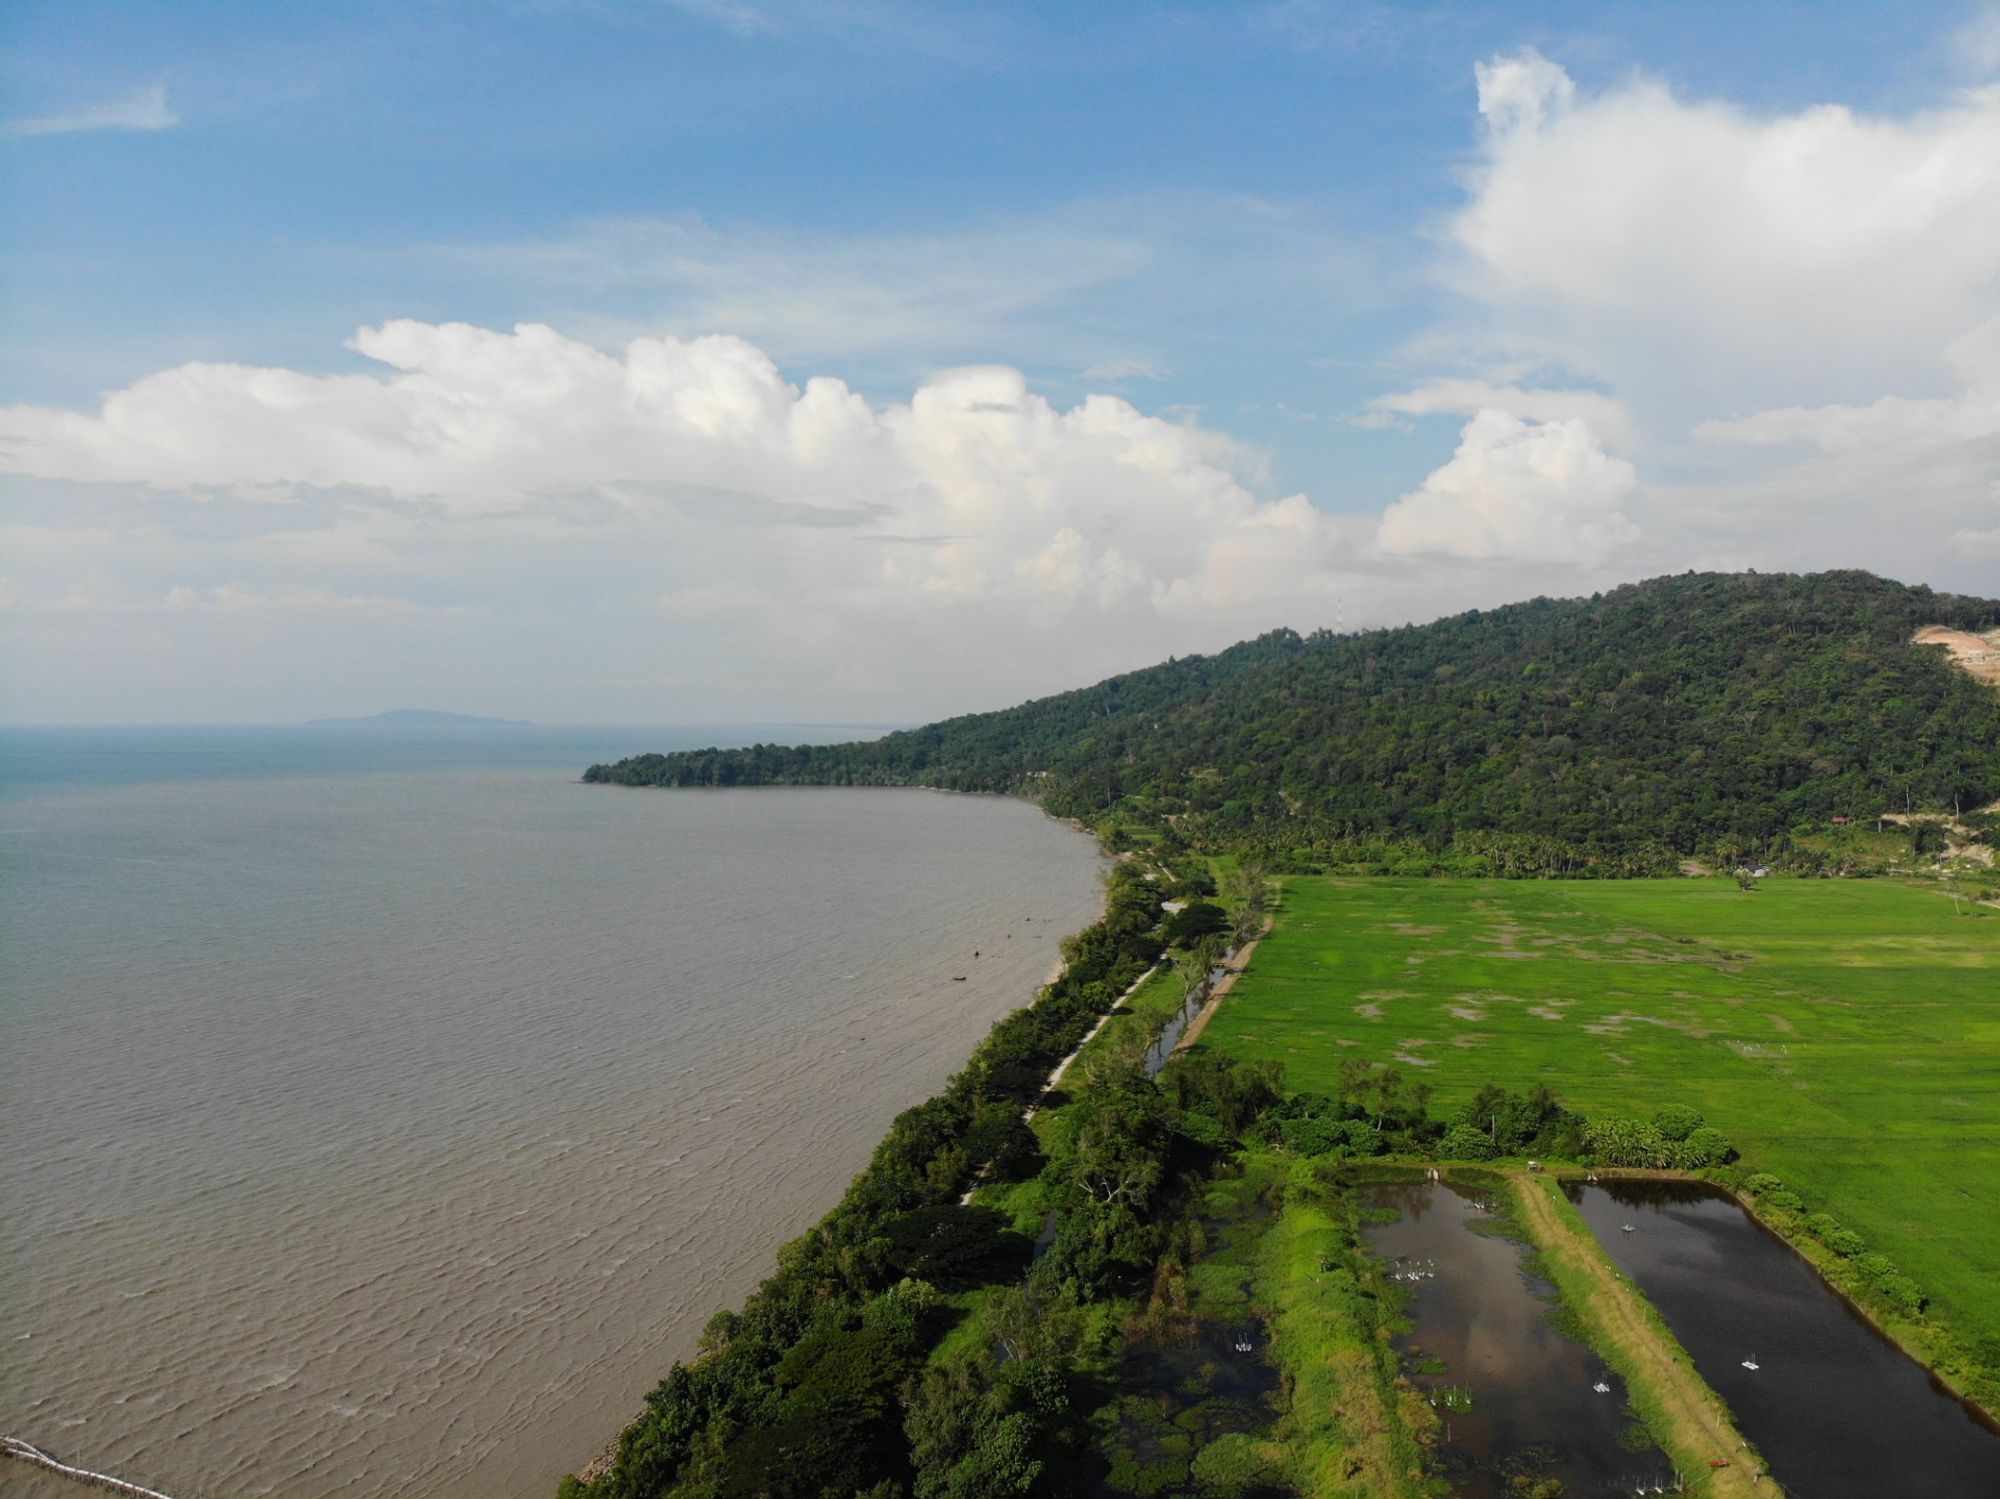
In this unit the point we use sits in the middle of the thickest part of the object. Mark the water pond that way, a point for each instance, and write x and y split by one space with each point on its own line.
1518 1397
1192 1406
1838 1410
1189 1414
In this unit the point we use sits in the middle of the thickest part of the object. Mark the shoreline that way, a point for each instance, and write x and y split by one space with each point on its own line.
607 1455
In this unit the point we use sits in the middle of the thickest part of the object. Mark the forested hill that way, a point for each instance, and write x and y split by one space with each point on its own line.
1685 713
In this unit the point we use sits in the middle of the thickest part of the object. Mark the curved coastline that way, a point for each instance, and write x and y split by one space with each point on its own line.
602 1464
610 1011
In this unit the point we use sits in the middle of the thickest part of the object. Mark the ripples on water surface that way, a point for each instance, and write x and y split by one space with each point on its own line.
389 1134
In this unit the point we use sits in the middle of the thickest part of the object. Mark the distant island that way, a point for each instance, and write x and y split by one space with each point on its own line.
419 718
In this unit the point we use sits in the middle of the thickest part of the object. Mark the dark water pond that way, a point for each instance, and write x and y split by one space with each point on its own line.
1194 1401
1534 1406
1837 1409
1178 1399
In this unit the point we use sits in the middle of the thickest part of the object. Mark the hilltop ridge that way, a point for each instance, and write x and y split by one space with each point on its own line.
1701 711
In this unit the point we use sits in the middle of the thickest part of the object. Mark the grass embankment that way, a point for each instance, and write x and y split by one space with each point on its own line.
1353 1424
1687 1418
1842 1033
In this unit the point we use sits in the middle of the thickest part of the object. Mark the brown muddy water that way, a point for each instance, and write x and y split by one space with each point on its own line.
1838 1410
388 1135
1517 1397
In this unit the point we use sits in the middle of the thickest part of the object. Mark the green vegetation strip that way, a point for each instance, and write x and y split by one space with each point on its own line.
1353 1427
1709 714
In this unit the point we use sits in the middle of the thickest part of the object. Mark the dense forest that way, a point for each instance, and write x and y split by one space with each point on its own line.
1700 713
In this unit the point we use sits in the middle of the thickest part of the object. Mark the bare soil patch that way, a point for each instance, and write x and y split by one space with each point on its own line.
1978 655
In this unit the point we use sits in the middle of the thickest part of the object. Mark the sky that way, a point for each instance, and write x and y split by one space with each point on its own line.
721 361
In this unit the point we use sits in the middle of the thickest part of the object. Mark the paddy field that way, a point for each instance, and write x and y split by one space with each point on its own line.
1844 1033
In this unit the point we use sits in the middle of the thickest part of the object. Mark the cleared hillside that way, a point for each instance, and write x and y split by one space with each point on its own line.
1978 655
1695 712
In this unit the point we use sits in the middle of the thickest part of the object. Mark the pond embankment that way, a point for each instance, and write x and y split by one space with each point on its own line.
1688 1417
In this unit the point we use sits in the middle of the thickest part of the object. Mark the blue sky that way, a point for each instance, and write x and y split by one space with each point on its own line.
1408 265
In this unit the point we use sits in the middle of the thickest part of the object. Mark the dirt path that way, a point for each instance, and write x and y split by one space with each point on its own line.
1222 986
1056 1077
1699 1424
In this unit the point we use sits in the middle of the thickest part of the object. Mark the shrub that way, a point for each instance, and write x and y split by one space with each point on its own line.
1464 1143
1363 1138
1626 1142
1762 1182
1904 1294
1311 1136
1205 1130
1677 1121
1875 1265
1784 1202
1844 1242
1710 1145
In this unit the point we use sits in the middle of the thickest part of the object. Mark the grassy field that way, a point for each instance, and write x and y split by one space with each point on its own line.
1846 1034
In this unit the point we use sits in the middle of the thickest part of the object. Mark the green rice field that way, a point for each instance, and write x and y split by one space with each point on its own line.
1845 1034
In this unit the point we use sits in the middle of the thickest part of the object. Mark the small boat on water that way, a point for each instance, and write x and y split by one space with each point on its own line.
1628 1228
1750 1363
958 978
1602 1388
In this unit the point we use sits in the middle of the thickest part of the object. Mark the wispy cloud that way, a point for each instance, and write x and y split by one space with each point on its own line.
1975 46
1117 371
142 109
730 15
1132 288
940 33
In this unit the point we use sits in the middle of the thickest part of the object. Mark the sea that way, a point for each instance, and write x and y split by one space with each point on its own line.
382 1112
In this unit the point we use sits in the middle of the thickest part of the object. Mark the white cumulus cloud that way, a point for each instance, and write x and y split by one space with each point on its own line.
1788 322
1518 491
1705 260
792 528
1519 92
